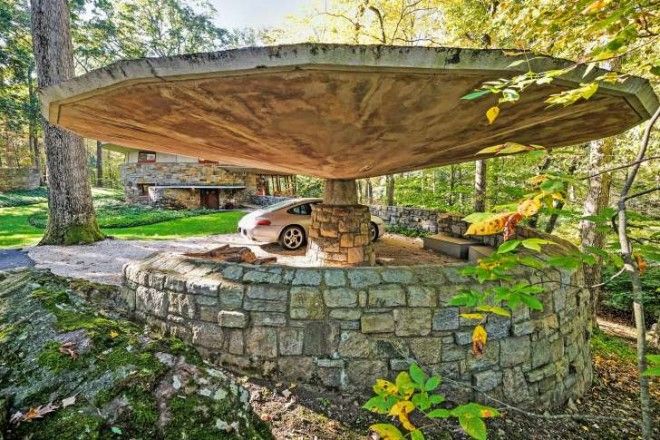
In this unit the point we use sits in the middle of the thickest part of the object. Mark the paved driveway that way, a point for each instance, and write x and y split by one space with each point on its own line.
14 258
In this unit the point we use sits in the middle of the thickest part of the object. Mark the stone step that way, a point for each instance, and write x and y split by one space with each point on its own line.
452 246
477 252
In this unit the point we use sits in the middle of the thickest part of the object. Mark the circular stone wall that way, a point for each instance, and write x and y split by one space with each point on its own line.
346 327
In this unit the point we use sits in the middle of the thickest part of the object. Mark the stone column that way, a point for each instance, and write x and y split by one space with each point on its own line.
339 232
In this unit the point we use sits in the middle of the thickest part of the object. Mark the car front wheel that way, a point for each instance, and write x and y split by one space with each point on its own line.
292 237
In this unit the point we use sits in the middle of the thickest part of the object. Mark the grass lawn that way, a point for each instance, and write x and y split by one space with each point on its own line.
23 221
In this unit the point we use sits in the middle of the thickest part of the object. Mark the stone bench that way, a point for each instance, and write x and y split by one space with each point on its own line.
475 253
452 246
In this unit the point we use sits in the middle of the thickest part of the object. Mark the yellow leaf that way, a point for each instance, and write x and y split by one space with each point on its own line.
490 226
472 316
386 431
113 334
402 407
401 410
492 114
479 337
558 196
529 207
595 7
589 89
491 150
383 386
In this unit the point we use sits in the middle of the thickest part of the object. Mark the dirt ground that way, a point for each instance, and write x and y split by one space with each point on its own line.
304 412
102 262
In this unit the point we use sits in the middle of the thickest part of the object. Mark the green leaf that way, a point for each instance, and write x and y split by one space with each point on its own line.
437 399
421 401
380 404
116 430
508 246
535 243
476 94
531 302
439 413
416 435
432 383
495 309
417 374
473 426
517 63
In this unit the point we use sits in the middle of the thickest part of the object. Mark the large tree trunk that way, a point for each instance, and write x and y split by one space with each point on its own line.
389 190
33 142
480 186
71 216
99 164
597 199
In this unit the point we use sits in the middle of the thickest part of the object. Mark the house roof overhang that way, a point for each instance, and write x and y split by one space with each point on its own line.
335 111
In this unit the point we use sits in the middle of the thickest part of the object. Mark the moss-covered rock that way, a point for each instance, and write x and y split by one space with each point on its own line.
123 381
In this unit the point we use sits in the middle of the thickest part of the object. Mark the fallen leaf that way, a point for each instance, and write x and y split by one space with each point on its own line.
69 349
113 334
68 401
33 413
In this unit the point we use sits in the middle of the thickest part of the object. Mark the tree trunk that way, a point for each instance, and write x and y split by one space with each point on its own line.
480 186
597 199
71 216
632 269
370 192
99 164
558 205
389 190
33 142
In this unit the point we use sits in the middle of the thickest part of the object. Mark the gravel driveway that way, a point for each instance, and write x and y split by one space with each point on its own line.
102 262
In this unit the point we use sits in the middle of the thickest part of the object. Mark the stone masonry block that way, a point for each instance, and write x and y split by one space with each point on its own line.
421 296
306 303
377 323
387 295
340 297
234 319
446 318
412 321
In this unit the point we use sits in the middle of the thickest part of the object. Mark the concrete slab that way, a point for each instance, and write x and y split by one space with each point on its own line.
452 246
334 111
477 252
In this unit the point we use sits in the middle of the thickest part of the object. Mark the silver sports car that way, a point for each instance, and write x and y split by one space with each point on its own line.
288 222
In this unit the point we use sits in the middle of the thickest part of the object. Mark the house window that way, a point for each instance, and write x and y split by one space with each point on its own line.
143 189
146 157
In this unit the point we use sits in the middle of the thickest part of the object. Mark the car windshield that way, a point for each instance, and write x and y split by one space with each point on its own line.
279 205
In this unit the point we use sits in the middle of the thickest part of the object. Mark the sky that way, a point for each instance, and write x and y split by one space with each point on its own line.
255 13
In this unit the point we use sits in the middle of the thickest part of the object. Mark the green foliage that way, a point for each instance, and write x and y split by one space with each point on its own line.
23 197
114 214
654 365
413 392
606 345
617 293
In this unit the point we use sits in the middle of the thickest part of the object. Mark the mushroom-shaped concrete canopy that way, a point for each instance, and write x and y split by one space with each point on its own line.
334 111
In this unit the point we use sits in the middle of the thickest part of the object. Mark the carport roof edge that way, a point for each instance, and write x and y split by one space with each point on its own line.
336 111
638 91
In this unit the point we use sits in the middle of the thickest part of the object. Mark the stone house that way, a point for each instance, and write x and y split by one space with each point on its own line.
178 181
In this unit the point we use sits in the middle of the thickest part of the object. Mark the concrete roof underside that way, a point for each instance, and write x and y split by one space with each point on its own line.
333 111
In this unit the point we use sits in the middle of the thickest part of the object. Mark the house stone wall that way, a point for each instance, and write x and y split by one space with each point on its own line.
182 173
345 327
18 178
